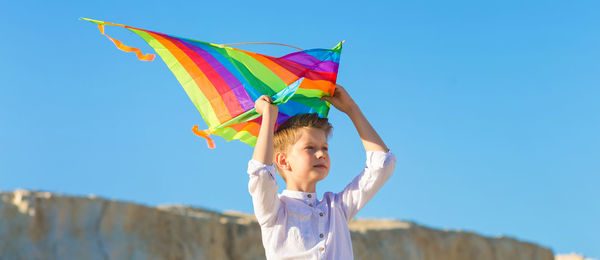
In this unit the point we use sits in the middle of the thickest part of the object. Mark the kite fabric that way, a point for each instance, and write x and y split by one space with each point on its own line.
224 82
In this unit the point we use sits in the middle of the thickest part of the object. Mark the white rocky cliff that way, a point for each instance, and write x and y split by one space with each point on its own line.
38 225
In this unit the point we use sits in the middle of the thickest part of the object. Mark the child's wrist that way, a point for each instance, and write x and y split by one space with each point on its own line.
352 110
270 113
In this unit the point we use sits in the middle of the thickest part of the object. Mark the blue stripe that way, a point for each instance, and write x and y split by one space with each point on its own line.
324 54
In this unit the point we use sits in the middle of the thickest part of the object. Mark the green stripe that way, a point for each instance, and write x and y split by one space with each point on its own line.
337 48
229 134
248 138
315 103
255 83
243 117
259 70
187 82
311 92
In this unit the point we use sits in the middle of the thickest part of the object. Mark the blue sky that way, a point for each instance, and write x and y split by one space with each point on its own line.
491 107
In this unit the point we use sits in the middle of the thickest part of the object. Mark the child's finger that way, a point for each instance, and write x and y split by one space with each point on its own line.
265 98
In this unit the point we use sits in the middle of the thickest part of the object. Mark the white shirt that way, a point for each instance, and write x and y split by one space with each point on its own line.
295 225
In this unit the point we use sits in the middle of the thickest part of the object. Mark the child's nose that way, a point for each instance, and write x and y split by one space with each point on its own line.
321 153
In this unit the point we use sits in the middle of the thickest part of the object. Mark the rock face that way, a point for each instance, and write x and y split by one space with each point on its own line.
39 225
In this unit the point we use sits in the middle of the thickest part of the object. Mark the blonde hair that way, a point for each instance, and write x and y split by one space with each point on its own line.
287 133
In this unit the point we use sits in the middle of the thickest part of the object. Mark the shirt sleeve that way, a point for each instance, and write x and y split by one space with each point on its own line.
263 189
380 166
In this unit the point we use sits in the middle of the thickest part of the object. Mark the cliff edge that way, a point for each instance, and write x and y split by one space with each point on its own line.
42 225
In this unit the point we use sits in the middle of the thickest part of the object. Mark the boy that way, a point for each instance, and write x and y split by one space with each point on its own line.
295 225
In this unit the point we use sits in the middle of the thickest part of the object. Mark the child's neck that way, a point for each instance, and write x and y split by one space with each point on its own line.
303 187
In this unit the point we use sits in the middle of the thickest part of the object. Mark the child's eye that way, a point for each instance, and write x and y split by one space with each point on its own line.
325 148
309 147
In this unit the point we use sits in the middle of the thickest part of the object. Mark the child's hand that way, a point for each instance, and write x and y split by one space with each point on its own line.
263 105
341 100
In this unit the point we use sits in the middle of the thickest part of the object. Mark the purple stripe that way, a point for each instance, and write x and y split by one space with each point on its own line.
327 66
233 83
246 102
302 58
282 118
309 61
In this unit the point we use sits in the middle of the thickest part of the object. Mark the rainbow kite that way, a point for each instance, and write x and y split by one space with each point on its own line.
224 82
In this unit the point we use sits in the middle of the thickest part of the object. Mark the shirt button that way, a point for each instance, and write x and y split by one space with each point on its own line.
321 236
321 214
310 196
321 249
310 205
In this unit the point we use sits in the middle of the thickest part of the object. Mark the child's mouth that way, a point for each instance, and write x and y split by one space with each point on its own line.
321 166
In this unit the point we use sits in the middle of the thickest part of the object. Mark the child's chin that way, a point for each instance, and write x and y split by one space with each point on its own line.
322 172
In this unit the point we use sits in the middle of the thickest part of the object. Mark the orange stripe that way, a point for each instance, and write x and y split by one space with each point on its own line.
285 75
323 85
200 79
251 127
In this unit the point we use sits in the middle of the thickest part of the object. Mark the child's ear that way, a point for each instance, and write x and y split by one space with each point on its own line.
281 161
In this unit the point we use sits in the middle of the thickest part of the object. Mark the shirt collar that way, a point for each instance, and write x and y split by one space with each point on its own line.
305 196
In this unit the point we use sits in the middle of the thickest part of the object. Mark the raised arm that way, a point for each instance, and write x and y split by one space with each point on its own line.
263 150
262 185
369 137
380 162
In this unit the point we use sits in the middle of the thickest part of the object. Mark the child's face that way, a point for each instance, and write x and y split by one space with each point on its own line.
308 157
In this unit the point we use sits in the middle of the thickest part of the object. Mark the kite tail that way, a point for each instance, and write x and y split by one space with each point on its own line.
119 44
206 135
